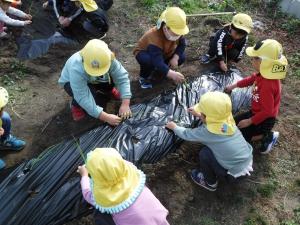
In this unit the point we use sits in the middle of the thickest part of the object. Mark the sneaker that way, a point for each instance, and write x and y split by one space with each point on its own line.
205 59
12 143
145 84
115 94
77 113
269 142
198 178
2 164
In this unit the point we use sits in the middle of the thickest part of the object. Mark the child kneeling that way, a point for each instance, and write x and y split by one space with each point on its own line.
226 153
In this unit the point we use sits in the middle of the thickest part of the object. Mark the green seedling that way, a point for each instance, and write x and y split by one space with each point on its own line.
80 150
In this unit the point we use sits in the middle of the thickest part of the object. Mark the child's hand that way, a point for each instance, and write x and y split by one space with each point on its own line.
193 112
1 131
28 16
27 22
229 88
223 66
171 125
175 76
82 171
173 63
244 123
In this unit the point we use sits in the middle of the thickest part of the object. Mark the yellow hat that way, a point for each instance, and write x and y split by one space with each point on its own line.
175 19
3 97
116 183
96 57
273 63
242 21
8 1
88 5
216 106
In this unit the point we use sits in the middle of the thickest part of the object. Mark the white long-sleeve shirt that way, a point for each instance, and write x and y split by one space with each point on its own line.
9 21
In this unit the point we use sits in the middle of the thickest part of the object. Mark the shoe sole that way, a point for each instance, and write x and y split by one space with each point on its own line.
11 149
270 146
212 190
144 87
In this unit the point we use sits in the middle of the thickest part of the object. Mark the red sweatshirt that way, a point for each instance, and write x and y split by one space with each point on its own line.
265 97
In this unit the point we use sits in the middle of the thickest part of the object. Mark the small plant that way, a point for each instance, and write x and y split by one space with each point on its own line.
255 219
291 25
267 190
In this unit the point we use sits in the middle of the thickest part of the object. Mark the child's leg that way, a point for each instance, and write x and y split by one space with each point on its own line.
248 132
181 59
145 61
69 91
6 125
210 167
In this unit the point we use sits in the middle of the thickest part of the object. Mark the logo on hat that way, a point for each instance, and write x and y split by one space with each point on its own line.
224 128
95 64
278 68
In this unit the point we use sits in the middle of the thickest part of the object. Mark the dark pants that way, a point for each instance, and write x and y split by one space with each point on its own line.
210 167
6 125
101 93
146 63
103 218
264 128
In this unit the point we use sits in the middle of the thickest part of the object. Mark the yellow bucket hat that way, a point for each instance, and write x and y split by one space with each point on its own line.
116 183
216 106
3 97
273 63
242 21
175 19
96 57
88 5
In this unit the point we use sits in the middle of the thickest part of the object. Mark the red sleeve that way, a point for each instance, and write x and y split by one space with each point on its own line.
266 100
248 81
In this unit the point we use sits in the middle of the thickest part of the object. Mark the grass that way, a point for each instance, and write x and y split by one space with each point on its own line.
294 63
266 190
254 218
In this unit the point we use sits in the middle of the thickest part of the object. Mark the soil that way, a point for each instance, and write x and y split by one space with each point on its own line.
41 116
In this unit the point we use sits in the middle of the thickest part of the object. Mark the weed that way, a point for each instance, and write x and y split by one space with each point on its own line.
266 190
255 219
207 221
291 25
294 62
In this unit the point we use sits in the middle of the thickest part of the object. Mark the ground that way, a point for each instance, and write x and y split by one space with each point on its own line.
40 112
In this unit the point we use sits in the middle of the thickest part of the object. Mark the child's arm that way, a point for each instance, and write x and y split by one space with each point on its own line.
242 49
12 22
187 134
17 12
242 83
85 185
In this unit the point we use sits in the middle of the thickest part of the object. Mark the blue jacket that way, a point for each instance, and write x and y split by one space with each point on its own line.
74 73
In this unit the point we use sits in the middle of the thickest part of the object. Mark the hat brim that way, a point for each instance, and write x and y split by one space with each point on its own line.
10 1
224 127
247 29
183 31
94 71
251 52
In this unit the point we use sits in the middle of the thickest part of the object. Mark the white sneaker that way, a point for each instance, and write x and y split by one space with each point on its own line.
268 145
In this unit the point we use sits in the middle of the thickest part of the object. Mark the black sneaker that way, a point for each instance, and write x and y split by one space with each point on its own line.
269 142
205 59
145 84
198 178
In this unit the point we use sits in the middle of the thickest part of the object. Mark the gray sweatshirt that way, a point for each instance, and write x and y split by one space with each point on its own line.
232 152
9 21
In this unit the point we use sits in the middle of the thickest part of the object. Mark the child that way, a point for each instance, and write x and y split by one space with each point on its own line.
90 77
4 19
7 141
230 42
118 188
162 47
271 67
226 153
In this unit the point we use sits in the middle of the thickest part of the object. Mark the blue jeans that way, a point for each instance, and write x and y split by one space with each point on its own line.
210 167
6 125
147 66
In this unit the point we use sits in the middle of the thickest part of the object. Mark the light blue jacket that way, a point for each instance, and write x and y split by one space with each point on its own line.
74 73
232 152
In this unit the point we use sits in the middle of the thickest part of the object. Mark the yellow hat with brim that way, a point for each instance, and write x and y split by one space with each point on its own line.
273 63
116 183
216 106
175 19
88 5
97 57
3 97
11 1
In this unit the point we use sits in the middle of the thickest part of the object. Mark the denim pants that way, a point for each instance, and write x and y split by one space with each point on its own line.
146 63
6 125
103 218
101 93
210 167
